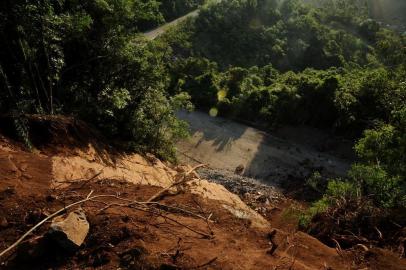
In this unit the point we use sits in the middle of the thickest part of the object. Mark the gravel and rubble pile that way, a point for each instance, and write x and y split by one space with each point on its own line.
243 186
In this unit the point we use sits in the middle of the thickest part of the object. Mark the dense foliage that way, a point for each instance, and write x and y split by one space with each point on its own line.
324 65
243 50
172 9
86 58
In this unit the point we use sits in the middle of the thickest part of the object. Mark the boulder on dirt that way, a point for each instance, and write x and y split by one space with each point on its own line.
70 233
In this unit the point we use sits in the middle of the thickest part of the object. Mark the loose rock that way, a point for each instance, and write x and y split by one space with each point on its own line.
70 233
242 185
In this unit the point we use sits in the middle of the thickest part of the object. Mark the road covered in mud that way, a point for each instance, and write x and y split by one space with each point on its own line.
294 153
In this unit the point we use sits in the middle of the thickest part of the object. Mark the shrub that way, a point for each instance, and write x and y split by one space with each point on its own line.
86 59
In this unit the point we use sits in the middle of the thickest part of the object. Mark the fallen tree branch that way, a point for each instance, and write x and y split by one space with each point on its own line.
208 218
379 232
92 178
363 247
88 198
338 247
182 181
148 210
176 209
141 206
84 181
131 203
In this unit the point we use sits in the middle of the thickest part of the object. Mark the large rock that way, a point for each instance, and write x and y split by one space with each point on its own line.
70 232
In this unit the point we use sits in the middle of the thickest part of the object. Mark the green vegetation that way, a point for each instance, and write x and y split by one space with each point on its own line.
325 65
270 62
244 58
172 9
86 58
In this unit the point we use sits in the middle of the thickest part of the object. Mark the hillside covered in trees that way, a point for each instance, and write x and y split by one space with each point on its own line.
87 58
326 64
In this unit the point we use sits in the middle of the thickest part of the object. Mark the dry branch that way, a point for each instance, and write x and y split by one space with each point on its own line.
161 205
92 178
338 247
89 197
180 182
149 210
85 181
363 247
143 206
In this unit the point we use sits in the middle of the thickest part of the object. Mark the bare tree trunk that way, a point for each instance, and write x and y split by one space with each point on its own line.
46 54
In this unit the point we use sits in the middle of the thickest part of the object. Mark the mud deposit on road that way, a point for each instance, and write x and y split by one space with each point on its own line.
224 144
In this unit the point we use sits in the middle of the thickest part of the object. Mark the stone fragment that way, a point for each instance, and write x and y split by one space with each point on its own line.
70 233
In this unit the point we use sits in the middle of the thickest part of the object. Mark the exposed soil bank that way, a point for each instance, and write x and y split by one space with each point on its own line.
253 232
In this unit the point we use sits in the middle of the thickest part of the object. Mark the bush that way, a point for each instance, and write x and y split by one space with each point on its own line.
375 183
341 189
86 59
318 207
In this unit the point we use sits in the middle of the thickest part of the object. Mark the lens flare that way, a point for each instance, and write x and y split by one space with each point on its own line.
221 95
213 112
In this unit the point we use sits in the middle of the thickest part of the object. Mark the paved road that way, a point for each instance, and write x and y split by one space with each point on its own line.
151 35
225 144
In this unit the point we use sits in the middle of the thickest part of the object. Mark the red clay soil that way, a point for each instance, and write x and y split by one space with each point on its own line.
128 238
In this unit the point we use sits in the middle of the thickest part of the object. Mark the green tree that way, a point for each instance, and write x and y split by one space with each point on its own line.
87 59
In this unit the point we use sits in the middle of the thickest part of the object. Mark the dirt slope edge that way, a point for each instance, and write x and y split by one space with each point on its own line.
137 170
33 185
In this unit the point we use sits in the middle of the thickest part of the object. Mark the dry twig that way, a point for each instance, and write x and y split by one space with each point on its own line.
143 206
338 247
180 182
15 244
363 247
164 206
85 181
149 210
92 178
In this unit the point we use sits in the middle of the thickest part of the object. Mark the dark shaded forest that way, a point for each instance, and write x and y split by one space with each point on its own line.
88 59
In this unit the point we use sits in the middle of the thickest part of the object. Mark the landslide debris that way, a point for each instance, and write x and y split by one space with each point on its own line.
196 225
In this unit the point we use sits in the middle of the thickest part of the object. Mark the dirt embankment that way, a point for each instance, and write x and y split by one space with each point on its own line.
197 225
